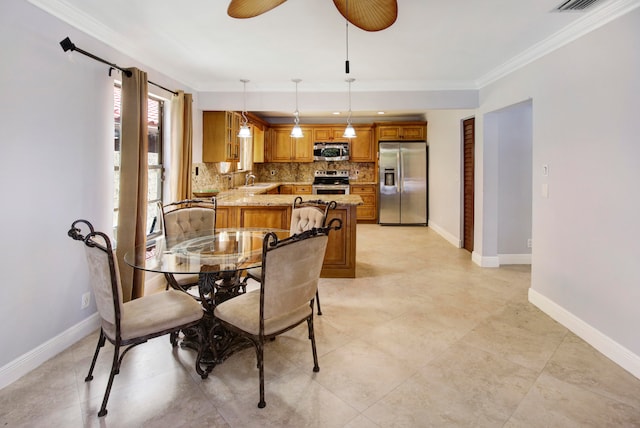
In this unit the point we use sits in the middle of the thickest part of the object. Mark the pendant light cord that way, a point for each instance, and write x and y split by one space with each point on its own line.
346 63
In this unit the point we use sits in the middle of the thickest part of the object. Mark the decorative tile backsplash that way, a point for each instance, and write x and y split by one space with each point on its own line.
212 176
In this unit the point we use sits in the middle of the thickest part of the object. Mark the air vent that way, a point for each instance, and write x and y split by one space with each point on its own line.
576 5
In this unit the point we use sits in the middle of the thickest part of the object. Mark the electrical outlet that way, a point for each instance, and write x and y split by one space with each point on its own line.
529 243
273 172
86 298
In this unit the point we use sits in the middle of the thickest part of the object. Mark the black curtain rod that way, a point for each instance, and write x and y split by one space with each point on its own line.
67 45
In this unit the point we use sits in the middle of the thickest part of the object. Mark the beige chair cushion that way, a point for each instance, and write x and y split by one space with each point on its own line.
244 313
305 218
154 313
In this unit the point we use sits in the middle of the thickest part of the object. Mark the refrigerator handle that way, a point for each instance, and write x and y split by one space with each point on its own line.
399 172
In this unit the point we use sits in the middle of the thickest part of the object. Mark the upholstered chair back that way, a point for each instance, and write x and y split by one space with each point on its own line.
105 276
306 218
183 221
290 275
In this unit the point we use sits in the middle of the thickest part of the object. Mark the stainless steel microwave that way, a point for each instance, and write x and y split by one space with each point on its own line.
331 151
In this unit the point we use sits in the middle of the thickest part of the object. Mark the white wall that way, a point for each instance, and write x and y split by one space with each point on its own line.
444 135
585 106
514 183
56 166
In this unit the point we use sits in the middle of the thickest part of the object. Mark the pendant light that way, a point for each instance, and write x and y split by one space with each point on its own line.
349 131
244 131
296 132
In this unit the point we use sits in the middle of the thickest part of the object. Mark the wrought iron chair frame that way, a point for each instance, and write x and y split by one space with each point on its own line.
119 342
298 202
182 205
270 243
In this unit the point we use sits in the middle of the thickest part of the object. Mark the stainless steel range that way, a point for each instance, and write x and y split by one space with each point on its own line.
331 182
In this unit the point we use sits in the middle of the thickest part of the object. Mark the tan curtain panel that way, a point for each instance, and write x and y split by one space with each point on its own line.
132 214
181 144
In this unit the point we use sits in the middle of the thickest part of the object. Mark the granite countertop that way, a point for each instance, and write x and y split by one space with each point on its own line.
258 196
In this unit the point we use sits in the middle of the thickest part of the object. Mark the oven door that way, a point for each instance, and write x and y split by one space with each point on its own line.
330 189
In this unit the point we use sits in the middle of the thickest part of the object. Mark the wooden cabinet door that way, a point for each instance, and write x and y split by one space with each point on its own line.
368 212
223 217
281 146
362 146
268 216
389 133
302 148
302 189
414 133
322 134
408 131
257 134
214 133
286 189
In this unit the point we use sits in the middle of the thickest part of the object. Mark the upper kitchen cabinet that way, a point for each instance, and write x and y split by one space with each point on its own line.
363 145
328 133
284 148
258 135
402 131
220 142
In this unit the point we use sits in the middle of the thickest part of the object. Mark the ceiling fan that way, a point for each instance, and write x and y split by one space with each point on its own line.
369 15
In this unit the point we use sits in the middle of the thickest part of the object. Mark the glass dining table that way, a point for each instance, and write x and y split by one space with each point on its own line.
219 258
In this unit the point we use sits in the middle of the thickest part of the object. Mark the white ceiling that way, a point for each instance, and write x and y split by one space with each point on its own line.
433 45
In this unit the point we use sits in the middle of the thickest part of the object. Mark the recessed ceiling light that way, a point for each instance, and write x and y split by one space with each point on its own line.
380 112
336 112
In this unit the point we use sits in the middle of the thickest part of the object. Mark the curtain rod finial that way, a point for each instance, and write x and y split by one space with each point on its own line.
67 44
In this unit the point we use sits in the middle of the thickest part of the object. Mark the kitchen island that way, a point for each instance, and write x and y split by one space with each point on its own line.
256 208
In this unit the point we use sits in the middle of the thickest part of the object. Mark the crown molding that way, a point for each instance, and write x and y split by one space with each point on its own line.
588 23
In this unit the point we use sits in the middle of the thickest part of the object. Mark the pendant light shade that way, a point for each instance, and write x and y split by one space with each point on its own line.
349 131
244 131
296 132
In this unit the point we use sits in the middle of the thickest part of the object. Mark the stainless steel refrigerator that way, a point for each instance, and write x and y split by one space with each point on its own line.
402 170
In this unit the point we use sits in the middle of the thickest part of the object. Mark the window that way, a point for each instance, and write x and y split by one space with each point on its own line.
155 109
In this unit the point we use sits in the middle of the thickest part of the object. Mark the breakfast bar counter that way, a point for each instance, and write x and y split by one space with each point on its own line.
243 209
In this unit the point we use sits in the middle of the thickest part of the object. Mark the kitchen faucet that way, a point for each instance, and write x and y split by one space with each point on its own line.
248 177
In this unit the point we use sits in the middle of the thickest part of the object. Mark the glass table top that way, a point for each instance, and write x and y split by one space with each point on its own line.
222 250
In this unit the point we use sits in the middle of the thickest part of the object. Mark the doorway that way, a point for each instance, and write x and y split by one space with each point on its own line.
468 141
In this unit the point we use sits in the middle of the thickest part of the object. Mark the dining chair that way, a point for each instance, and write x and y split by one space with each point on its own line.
305 215
289 280
128 324
186 218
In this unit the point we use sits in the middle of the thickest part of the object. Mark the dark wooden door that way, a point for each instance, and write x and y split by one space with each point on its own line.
468 127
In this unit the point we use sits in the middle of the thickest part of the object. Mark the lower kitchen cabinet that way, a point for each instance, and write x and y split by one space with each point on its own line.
277 217
302 189
340 256
368 212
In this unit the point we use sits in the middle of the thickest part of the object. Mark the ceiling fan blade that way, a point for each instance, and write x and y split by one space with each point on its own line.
250 8
369 15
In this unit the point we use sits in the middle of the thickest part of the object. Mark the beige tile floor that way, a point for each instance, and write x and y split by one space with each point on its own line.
422 338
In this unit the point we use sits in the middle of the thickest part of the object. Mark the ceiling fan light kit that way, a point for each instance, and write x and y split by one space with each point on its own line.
368 15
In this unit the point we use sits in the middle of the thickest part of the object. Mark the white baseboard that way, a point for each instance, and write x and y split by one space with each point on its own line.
488 262
446 235
514 259
31 360
607 346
